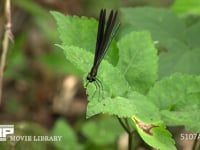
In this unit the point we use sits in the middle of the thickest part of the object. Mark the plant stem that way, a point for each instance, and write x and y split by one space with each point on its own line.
195 142
7 36
128 130
130 137
123 125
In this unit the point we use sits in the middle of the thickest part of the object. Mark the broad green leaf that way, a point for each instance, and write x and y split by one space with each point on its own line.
178 99
126 108
162 23
69 139
178 58
138 60
172 90
193 33
190 119
186 7
103 131
155 135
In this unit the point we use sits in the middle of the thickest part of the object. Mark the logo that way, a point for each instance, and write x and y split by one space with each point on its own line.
5 130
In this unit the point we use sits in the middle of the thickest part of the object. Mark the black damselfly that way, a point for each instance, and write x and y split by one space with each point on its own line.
105 34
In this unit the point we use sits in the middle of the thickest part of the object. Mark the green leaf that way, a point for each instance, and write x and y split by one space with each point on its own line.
76 31
102 132
69 139
155 135
193 36
179 58
177 97
127 108
186 7
185 113
162 23
138 60
190 119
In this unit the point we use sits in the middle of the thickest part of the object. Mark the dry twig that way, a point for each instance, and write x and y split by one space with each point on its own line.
7 36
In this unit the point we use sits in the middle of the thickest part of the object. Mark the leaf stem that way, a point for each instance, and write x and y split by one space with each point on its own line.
128 130
130 137
7 36
123 125
195 142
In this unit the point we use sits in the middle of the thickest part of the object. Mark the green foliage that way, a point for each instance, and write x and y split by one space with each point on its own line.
139 61
81 32
154 135
130 86
41 17
55 60
13 106
177 97
186 7
178 44
161 23
106 129
69 139
72 31
79 56
16 60
127 107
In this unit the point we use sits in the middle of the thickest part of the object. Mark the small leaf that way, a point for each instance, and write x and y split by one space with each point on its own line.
155 135
69 139
102 132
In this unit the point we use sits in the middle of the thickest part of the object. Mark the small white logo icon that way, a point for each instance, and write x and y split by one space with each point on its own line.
5 130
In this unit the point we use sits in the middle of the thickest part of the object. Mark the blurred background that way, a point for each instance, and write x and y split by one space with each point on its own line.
43 93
